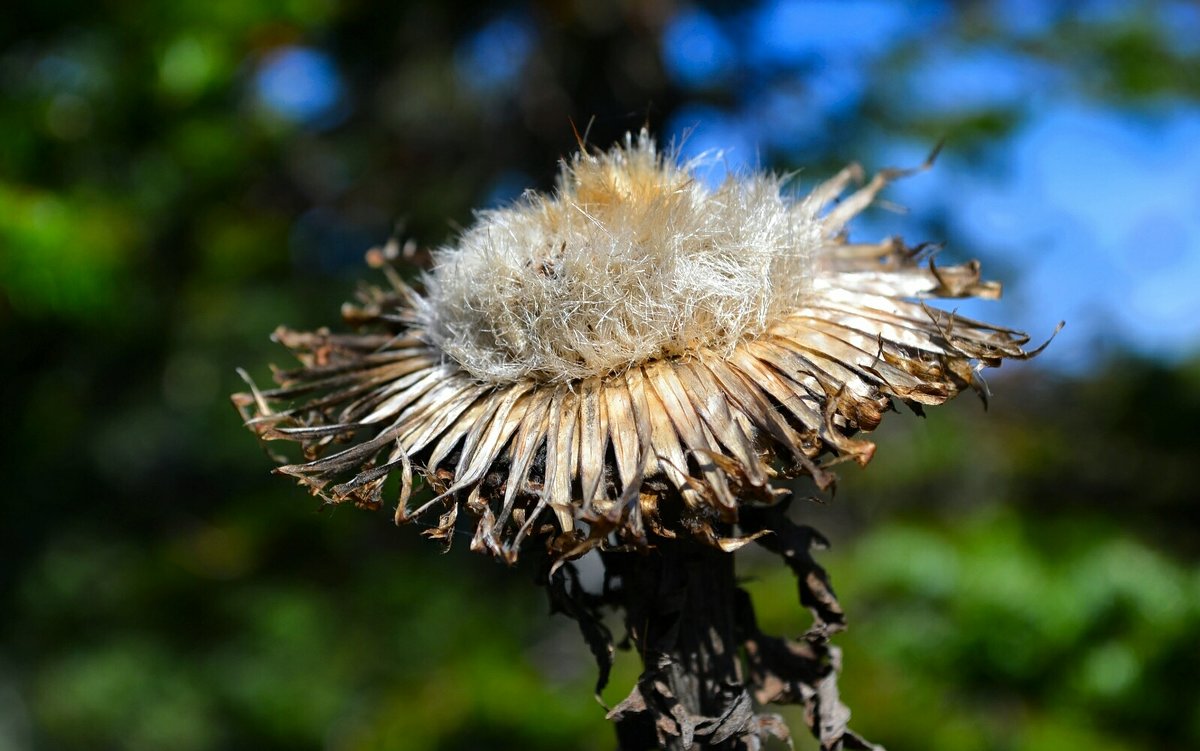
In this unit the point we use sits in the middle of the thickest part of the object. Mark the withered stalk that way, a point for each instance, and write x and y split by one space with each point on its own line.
679 603
706 666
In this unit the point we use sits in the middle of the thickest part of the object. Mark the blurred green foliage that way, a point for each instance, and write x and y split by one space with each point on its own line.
1020 579
985 635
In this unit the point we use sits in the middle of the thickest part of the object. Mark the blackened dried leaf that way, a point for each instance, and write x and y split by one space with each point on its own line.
568 597
795 543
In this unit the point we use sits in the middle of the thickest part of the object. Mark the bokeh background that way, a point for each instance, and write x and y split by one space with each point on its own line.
178 178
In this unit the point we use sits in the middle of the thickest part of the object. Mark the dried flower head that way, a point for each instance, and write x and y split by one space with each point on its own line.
636 355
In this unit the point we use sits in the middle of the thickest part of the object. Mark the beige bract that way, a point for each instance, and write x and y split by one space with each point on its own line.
634 356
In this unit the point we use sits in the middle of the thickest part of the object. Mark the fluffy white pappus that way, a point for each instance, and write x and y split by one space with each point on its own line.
632 259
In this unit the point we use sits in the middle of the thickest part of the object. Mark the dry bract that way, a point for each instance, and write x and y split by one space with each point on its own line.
634 356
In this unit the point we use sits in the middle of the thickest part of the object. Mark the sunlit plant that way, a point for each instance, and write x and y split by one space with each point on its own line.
635 365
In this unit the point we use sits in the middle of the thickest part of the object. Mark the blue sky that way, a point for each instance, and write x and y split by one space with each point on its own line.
1089 210
1093 218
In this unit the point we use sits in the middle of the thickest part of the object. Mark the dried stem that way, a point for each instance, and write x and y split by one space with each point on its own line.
706 665
679 612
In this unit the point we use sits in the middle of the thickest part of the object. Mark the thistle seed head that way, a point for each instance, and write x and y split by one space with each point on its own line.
635 357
